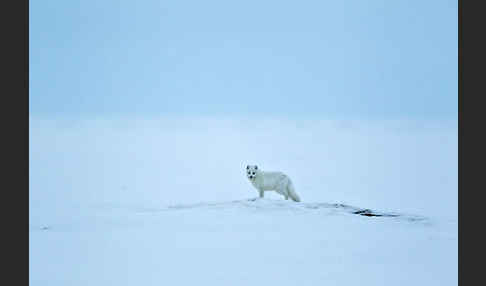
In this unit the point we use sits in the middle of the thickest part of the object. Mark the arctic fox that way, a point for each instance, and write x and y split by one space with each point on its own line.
271 181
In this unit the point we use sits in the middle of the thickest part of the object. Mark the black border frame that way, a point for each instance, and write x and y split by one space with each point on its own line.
15 140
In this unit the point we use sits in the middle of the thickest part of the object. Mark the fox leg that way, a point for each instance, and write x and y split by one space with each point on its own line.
282 189
261 193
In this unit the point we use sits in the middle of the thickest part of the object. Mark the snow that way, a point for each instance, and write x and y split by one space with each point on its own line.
166 202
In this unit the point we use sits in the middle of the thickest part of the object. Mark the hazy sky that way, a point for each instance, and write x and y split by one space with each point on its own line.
330 59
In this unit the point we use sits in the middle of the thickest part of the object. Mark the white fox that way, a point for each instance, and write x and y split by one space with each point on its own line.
271 181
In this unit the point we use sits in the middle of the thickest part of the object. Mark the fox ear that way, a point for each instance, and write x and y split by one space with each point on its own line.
256 167
247 167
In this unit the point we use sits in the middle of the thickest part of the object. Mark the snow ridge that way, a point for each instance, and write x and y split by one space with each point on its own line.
259 204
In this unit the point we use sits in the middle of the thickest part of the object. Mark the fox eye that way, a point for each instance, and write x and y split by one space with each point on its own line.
253 173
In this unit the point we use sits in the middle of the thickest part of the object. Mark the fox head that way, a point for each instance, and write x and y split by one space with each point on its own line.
251 171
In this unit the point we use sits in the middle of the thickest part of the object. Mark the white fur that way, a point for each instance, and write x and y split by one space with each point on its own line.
271 181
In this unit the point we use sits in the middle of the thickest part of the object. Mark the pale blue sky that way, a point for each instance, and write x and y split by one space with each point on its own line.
330 59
